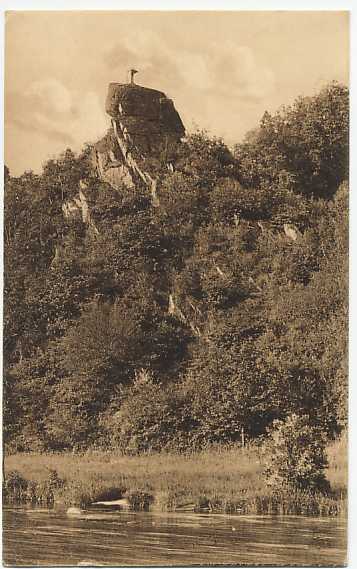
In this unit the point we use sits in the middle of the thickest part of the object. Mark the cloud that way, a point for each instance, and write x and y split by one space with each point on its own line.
48 108
90 121
52 94
222 87
208 84
226 69
239 73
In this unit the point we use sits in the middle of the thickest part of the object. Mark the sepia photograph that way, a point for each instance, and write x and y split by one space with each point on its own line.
175 288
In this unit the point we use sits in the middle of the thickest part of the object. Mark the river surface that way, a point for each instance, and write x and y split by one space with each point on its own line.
38 537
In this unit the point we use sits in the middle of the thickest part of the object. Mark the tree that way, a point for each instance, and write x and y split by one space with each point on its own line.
61 175
28 388
240 318
227 385
150 419
230 202
307 143
6 174
205 158
296 457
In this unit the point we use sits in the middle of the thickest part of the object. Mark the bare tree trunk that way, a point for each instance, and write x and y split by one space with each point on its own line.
242 436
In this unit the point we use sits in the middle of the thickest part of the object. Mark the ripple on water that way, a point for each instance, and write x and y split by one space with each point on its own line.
39 537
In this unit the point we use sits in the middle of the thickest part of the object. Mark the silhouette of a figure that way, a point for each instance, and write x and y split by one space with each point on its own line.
132 73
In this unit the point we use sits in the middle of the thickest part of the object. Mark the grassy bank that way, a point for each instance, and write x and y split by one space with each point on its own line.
219 480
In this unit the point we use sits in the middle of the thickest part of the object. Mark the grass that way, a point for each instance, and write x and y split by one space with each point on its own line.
221 479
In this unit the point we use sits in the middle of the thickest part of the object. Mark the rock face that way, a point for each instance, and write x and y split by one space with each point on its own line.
145 123
78 208
109 162
146 117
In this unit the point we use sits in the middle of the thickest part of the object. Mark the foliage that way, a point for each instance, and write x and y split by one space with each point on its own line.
296 455
306 145
236 323
205 158
149 418
222 479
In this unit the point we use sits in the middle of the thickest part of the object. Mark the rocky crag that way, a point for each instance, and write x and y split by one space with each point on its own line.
144 124
145 127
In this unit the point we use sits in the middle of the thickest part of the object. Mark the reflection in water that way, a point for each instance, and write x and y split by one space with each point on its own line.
41 537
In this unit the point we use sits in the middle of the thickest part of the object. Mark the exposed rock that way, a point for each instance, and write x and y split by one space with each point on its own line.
219 271
236 219
146 115
145 123
70 209
117 175
82 204
291 231
122 503
78 208
174 310
110 163
171 307
57 256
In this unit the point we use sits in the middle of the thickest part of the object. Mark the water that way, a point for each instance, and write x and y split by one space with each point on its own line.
37 537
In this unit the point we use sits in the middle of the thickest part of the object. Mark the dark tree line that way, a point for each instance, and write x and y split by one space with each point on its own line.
179 325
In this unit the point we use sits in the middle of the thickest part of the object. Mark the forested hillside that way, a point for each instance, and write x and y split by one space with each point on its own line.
171 326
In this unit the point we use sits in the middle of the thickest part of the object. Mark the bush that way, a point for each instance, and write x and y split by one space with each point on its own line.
148 420
18 490
229 202
296 456
14 486
205 158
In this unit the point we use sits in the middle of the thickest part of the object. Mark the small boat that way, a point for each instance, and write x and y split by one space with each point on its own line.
122 503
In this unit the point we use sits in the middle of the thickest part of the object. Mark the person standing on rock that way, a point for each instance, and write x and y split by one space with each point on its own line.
132 73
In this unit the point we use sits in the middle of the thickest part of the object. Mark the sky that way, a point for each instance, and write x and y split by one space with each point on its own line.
222 69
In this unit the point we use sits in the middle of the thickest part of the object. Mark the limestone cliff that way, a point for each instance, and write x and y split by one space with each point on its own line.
78 207
148 118
144 123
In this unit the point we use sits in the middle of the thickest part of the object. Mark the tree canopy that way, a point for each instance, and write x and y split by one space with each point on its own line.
223 308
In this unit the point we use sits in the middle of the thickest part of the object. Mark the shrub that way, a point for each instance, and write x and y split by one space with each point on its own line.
148 419
205 158
14 486
296 456
19 490
140 500
229 202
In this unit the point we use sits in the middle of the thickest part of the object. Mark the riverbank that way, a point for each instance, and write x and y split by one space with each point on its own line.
221 479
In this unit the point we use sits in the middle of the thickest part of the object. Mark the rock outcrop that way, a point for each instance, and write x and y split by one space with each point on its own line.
144 123
109 162
148 118
79 208
144 126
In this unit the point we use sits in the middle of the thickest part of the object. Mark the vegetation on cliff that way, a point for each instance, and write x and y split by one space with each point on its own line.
209 316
